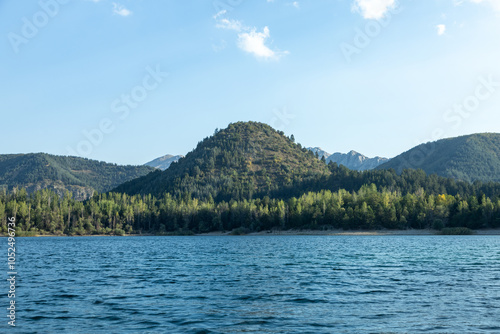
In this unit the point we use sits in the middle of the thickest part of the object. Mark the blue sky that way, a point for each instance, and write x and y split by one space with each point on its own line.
127 81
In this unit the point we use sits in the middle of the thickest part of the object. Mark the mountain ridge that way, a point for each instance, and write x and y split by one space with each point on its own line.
80 176
164 161
470 158
352 160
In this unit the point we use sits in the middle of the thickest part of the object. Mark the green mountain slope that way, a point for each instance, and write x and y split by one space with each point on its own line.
244 160
78 175
468 158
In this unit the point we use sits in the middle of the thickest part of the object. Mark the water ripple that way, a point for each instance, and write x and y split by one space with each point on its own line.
268 284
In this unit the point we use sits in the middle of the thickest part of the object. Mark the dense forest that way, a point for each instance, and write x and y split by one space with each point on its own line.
82 177
467 158
44 212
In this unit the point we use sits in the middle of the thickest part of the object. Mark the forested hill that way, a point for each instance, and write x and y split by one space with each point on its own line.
252 160
468 158
244 160
79 176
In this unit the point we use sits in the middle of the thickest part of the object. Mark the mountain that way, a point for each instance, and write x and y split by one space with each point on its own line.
163 162
246 159
79 176
468 158
320 151
356 161
352 160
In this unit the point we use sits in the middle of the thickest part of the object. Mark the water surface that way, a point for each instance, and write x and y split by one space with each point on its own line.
261 284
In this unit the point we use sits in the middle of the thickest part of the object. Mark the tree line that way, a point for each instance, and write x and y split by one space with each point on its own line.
44 212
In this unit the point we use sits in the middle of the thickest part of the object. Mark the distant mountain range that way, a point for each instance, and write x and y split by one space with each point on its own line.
80 176
352 160
467 158
163 162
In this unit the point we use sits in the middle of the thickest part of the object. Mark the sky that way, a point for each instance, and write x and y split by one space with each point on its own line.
127 81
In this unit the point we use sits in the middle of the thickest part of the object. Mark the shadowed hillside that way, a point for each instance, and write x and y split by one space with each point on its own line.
468 158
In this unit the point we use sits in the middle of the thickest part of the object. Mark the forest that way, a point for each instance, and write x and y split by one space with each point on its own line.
44 212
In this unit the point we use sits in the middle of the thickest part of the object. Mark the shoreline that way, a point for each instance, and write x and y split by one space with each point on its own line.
340 232
337 232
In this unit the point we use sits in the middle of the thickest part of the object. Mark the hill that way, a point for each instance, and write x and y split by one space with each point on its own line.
163 162
243 160
79 176
467 158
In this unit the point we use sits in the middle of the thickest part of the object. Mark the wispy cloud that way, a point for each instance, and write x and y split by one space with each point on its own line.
249 39
219 14
494 3
120 10
229 24
441 29
373 9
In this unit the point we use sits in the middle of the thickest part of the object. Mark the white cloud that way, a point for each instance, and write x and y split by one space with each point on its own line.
229 24
441 29
249 39
120 10
222 12
296 4
373 9
494 3
255 43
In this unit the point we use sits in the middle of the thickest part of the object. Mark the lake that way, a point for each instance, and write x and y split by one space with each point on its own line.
256 284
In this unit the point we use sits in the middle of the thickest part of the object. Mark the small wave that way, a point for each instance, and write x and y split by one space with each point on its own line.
66 296
307 300
111 318
374 292
249 297
253 322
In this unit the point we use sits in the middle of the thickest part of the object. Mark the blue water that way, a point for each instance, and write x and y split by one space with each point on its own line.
268 284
